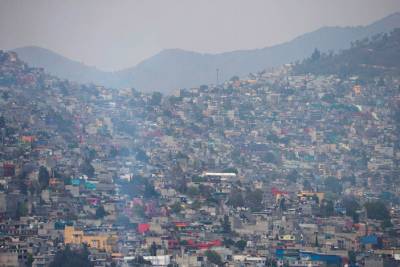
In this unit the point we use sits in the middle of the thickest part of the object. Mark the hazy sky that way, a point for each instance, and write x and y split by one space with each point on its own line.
117 34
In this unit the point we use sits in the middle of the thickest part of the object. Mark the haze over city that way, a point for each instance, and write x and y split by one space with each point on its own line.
113 37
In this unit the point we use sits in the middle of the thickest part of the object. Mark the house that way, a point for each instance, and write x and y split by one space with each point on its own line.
104 242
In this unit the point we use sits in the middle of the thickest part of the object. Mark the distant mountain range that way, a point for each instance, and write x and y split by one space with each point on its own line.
175 68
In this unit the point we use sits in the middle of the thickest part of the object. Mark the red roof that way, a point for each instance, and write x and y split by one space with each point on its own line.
181 224
275 191
143 227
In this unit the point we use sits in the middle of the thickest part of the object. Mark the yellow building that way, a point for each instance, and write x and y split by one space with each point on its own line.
78 237
287 238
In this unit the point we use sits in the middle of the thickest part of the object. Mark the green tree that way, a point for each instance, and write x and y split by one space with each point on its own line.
156 98
236 199
228 242
377 210
241 244
333 185
254 200
315 55
2 122
213 257
100 212
87 168
352 257
43 177
270 157
29 260
271 262
150 191
68 258
234 78
226 225
22 184
351 205
326 208
386 224
22 209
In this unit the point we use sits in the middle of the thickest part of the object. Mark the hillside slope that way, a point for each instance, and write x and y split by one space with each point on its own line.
378 55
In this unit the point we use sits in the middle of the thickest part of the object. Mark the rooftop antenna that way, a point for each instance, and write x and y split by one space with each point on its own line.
217 77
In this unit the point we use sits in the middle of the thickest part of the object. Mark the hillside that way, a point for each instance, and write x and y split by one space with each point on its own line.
63 67
176 68
369 57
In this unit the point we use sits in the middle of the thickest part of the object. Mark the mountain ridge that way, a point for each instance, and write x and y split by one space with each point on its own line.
178 68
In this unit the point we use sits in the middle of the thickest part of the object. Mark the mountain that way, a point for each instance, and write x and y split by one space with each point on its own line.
176 68
63 67
367 58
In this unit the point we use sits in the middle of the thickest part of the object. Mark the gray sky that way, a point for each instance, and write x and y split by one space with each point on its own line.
117 34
